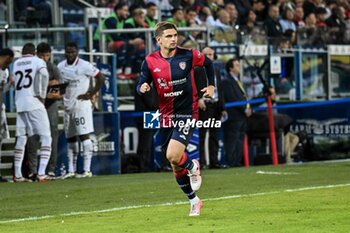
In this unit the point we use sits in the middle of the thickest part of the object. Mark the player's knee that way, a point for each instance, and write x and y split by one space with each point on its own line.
45 140
21 142
173 158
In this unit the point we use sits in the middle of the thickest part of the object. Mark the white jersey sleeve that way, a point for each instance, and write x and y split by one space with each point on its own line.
25 71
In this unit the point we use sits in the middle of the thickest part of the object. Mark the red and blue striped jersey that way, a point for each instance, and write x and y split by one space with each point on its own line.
174 80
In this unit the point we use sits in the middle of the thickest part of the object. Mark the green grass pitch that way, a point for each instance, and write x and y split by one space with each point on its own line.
313 197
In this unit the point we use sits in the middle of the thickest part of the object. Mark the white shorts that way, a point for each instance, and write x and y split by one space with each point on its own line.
78 121
31 123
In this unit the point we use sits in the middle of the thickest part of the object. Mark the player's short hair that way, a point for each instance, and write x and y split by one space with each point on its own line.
28 48
150 4
71 44
43 48
7 52
162 26
120 5
137 12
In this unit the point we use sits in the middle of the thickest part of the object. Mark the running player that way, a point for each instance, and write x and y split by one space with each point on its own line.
6 58
31 81
171 70
78 120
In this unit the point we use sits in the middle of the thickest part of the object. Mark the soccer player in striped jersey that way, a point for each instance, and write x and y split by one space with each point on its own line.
171 71
31 81
6 58
77 98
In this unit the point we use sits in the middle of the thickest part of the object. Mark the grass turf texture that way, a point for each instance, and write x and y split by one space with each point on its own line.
257 202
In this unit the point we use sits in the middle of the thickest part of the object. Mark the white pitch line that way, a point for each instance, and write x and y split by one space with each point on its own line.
171 203
276 173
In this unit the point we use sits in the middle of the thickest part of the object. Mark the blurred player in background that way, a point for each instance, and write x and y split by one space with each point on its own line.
31 81
171 70
6 58
78 122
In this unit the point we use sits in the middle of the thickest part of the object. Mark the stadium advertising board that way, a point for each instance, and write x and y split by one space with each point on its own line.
327 128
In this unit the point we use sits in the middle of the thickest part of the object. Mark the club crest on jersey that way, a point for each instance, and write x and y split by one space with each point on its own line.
162 83
182 65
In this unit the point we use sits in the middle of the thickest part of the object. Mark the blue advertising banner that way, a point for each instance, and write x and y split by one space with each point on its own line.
106 158
108 89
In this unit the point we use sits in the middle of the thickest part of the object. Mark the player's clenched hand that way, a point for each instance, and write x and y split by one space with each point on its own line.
145 88
208 91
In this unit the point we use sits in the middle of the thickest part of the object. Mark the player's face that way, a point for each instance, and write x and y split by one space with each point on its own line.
45 56
71 54
168 40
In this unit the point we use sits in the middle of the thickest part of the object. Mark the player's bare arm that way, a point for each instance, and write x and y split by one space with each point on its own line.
90 94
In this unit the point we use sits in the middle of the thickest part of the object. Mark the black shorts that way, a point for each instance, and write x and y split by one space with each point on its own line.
180 134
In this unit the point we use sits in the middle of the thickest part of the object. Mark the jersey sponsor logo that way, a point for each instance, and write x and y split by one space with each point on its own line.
162 83
156 70
177 82
182 65
173 94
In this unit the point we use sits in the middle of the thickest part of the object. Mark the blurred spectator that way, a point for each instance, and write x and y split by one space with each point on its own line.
242 6
337 18
287 19
21 9
291 36
310 6
135 42
249 23
33 12
111 3
272 26
115 41
299 3
191 17
337 24
178 17
222 21
151 12
310 21
321 14
285 83
236 125
233 14
310 34
185 4
258 6
209 109
330 4
299 16
3 10
214 7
